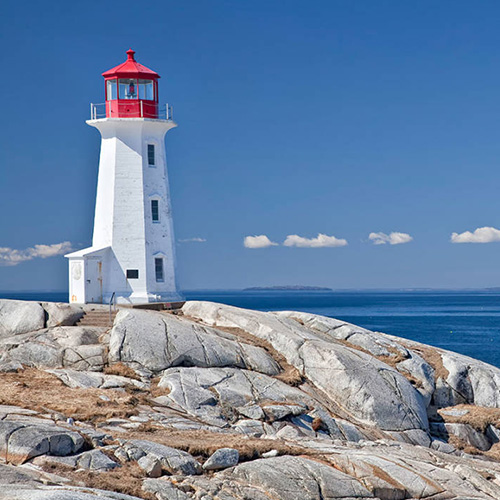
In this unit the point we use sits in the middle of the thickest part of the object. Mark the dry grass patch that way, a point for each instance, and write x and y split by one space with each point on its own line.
43 392
477 417
126 479
204 443
460 444
121 370
494 452
290 376
155 390
395 357
432 356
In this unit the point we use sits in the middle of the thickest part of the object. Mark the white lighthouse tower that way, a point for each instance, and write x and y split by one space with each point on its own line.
132 257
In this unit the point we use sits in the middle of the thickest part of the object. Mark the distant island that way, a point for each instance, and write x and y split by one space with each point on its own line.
289 288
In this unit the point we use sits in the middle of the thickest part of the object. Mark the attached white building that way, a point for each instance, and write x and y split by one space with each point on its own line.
132 257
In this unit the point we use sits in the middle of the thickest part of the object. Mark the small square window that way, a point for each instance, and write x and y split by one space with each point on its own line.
155 210
159 269
151 155
132 274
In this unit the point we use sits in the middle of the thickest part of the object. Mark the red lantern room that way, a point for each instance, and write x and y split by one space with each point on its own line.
131 90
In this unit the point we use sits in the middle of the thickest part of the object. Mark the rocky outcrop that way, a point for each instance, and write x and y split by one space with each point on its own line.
221 403
155 342
17 317
360 385
19 442
76 347
62 314
281 477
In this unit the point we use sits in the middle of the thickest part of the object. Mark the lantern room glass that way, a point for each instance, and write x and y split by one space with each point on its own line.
146 91
127 88
111 93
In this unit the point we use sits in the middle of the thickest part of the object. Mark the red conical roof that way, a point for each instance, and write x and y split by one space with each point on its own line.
130 69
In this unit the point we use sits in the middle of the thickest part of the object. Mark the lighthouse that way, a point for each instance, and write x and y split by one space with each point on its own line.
132 257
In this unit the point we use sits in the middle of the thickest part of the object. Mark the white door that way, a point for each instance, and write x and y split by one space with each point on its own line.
93 282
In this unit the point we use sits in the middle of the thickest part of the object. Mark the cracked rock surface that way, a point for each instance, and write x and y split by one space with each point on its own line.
219 403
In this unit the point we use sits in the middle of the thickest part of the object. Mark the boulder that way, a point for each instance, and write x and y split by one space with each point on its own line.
62 314
72 347
151 466
75 336
470 381
157 341
222 459
18 316
279 412
251 411
175 461
38 352
165 490
94 460
21 442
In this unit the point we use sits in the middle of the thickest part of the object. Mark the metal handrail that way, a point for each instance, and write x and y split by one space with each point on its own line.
112 302
98 111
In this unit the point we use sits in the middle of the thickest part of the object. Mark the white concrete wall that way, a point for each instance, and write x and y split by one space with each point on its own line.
123 210
77 281
160 241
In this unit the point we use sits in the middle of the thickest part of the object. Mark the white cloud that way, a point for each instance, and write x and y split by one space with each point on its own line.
12 257
480 235
322 240
261 241
393 238
193 240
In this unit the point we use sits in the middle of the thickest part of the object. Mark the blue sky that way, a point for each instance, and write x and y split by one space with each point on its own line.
343 118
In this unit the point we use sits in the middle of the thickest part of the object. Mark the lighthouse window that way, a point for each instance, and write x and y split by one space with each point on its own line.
159 269
155 210
146 90
111 92
151 155
127 88
132 274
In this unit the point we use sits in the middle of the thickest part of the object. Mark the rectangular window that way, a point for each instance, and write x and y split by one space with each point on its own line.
159 269
151 155
111 92
155 210
146 90
132 274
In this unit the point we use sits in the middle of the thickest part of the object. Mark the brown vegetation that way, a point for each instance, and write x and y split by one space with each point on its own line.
126 479
395 357
477 417
122 370
460 444
318 424
202 443
40 391
432 356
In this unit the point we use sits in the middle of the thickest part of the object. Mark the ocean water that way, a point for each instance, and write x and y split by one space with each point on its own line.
465 322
